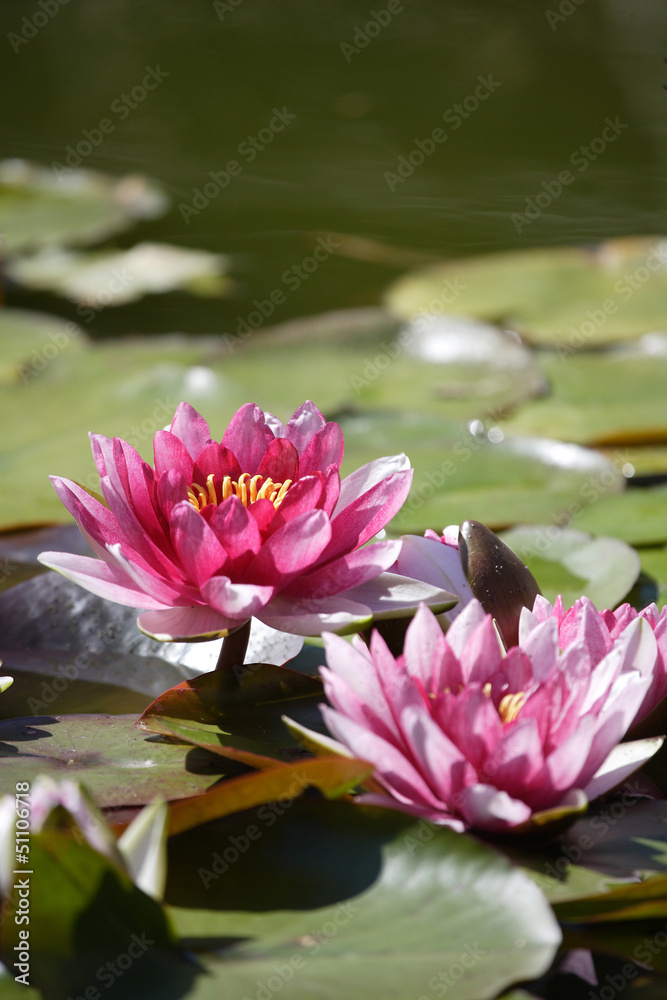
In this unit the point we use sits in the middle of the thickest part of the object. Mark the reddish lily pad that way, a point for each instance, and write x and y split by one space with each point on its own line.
284 782
240 709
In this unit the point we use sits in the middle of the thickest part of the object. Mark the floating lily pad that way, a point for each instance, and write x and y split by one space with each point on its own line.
359 359
239 710
41 207
118 763
571 563
125 388
30 340
333 776
423 901
636 516
608 400
114 277
643 464
573 297
474 359
466 473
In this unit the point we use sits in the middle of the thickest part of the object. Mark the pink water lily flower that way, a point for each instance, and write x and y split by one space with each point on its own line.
467 734
259 524
599 630
436 560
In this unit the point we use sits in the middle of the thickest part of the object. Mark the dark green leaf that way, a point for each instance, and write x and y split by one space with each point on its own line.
426 905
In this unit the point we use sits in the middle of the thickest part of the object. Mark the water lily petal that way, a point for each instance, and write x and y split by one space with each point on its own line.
290 549
235 600
194 624
214 459
171 454
280 461
248 436
365 516
324 449
99 578
237 532
393 769
352 570
196 544
366 476
486 808
304 423
624 760
191 428
436 563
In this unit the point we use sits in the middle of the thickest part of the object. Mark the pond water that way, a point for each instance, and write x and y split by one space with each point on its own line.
433 127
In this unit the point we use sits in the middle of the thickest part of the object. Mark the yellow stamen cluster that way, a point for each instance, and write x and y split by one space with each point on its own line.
511 705
247 489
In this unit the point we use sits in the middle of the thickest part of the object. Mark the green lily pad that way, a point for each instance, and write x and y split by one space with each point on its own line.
573 297
464 473
118 763
571 563
129 389
102 278
636 516
610 400
359 359
377 905
629 902
642 462
40 208
30 340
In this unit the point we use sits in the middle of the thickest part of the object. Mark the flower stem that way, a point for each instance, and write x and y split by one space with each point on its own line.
234 647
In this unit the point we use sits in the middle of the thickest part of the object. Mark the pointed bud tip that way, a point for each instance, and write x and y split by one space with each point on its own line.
498 578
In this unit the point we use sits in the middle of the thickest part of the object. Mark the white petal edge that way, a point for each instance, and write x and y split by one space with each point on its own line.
624 760
143 846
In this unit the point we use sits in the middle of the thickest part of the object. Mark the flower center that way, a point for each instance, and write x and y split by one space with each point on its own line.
510 706
246 489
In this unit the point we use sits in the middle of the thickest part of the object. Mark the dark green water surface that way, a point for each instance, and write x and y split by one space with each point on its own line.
552 76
